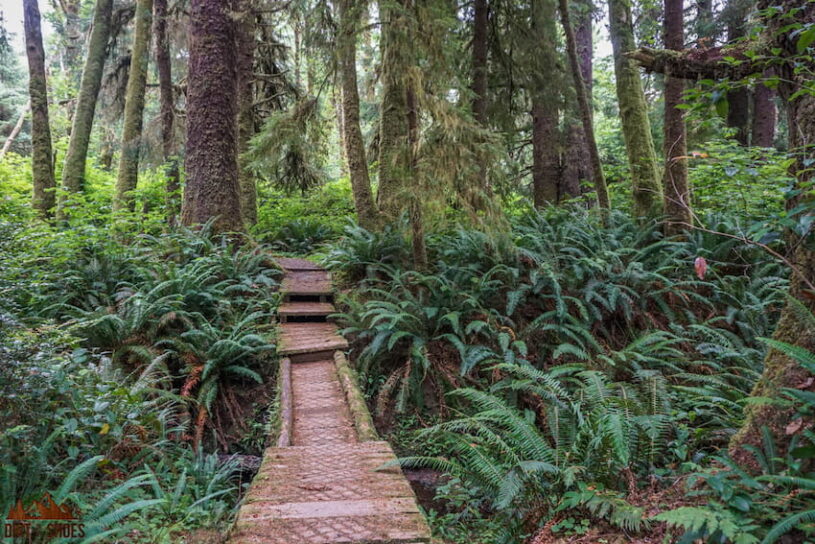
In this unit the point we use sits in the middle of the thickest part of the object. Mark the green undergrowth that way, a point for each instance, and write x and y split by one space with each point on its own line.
132 368
567 374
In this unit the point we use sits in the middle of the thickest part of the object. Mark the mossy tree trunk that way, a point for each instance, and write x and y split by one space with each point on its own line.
394 145
42 166
676 189
575 144
350 12
780 371
598 178
73 172
646 188
128 173
211 191
478 78
164 68
246 97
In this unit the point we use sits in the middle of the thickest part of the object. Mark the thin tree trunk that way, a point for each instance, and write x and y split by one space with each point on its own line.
246 97
764 116
416 215
585 108
128 173
675 185
167 109
639 144
478 71
212 192
574 162
350 12
42 166
73 35
73 172
574 133
545 156
14 131
394 146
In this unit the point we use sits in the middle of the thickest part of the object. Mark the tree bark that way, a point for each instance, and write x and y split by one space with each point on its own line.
646 188
15 131
167 109
764 116
212 192
246 97
573 175
780 371
478 75
350 11
418 241
42 165
545 156
738 113
585 108
675 183
128 173
394 145
73 172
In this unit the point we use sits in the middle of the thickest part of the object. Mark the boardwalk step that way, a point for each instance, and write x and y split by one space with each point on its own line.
330 493
308 337
305 309
307 283
325 484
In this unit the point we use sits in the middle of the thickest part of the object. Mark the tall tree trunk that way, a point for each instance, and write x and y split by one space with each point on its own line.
478 71
246 98
212 189
128 173
72 34
350 12
574 162
585 108
73 172
167 109
764 116
738 99
779 370
574 174
675 184
416 215
545 156
394 145
639 144
42 166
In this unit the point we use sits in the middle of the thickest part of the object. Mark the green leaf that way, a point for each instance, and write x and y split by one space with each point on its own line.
806 39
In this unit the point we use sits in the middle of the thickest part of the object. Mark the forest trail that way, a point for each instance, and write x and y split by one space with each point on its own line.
320 484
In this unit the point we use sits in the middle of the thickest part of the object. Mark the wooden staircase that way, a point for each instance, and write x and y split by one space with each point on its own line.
323 482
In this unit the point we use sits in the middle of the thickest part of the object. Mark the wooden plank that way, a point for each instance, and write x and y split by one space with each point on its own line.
306 309
333 509
307 337
286 408
309 283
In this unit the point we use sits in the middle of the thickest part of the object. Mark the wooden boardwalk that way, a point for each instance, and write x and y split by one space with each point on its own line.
323 482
